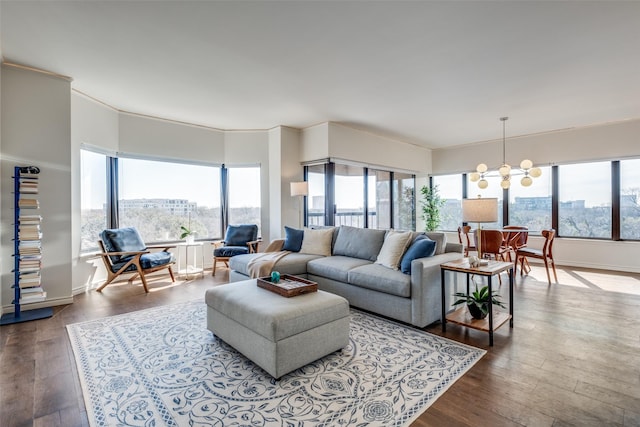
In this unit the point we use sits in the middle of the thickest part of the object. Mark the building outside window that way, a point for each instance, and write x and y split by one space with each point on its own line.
404 212
158 197
630 199
378 199
531 206
584 208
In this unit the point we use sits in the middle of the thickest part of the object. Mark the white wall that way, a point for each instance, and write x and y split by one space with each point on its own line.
604 142
358 145
147 136
36 130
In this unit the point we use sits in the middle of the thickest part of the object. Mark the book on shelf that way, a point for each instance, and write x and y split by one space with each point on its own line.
29 219
33 297
28 203
27 283
29 175
29 275
31 290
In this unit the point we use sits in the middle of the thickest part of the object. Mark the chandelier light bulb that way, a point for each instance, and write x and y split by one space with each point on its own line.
483 183
474 176
526 164
505 170
535 172
506 182
482 168
526 181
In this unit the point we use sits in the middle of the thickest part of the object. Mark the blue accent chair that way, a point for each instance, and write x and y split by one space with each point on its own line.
123 251
239 239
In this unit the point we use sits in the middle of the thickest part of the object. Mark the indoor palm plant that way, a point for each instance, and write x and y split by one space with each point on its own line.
478 301
431 205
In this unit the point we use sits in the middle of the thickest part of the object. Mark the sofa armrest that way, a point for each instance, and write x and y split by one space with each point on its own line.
454 247
275 245
426 296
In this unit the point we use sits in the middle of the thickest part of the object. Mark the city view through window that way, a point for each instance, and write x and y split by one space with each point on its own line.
584 200
159 197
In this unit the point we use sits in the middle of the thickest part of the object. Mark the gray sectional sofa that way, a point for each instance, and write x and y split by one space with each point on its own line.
352 270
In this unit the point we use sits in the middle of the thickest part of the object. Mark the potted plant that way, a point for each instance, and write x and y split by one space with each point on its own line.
478 301
188 234
431 205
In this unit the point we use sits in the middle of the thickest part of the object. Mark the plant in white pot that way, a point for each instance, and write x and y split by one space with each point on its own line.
187 234
478 301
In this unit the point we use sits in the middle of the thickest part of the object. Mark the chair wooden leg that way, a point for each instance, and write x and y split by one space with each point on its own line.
109 280
215 261
173 279
546 267
553 264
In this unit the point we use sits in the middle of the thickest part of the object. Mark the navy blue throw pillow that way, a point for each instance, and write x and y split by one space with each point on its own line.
421 247
292 239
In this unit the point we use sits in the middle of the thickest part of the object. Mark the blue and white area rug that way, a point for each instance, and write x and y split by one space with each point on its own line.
162 367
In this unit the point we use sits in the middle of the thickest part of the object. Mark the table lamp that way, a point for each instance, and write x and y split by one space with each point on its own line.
480 211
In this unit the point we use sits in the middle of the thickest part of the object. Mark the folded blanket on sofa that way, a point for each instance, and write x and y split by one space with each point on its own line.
263 264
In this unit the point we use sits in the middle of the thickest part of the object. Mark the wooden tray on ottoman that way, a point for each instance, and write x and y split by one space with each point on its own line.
288 286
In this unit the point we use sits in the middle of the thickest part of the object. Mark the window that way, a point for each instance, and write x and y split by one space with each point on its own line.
531 206
450 190
630 199
157 197
404 217
349 193
316 197
244 196
584 198
379 203
93 190
390 202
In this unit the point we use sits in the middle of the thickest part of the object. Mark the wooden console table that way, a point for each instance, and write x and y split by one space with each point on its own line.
461 316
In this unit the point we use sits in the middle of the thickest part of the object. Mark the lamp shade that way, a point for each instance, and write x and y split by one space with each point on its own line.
299 188
480 210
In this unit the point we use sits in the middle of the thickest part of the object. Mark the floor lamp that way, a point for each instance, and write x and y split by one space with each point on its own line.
300 189
480 211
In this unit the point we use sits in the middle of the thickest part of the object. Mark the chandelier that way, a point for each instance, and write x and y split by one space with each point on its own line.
505 171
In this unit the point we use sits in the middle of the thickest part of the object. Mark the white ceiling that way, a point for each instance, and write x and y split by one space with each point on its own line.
431 73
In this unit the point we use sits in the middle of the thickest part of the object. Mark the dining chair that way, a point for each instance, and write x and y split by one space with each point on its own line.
492 246
545 254
464 237
514 240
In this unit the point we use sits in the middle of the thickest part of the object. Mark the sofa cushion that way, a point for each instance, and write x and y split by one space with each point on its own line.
421 247
239 235
317 242
379 278
335 267
440 239
230 251
292 239
394 246
363 243
122 240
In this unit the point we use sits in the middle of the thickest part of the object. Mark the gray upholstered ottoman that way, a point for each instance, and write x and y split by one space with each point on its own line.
278 334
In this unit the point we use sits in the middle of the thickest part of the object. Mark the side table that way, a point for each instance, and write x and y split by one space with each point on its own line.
190 264
461 316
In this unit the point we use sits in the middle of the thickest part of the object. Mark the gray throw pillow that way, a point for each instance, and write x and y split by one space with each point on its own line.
362 243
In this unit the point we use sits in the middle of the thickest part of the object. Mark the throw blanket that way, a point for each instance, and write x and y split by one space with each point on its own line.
262 265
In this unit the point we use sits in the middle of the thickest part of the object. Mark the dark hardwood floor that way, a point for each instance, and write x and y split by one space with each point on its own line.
572 358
